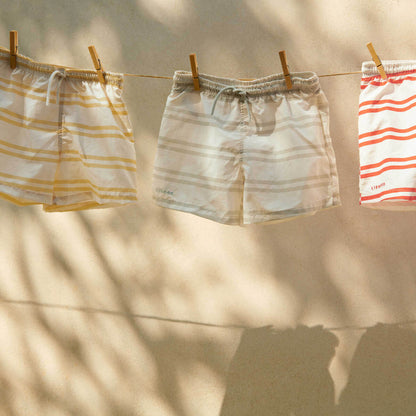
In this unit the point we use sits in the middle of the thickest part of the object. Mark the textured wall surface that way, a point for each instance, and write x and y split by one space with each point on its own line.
73 284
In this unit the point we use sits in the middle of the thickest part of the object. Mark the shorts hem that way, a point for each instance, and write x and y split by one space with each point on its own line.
207 214
81 206
22 198
287 215
274 217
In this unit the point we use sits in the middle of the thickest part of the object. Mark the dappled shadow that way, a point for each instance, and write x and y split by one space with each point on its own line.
344 266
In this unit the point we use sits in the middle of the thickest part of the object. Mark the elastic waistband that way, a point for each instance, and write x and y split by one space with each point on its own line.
369 68
81 74
303 81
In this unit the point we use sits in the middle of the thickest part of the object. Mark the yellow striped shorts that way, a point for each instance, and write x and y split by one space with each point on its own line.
65 138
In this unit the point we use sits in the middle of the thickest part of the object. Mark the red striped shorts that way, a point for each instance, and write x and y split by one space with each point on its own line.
387 136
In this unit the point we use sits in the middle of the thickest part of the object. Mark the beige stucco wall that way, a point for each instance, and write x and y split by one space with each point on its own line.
348 266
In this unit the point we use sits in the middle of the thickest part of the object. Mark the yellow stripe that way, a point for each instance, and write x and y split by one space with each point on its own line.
105 158
79 189
97 165
21 117
78 133
21 178
35 97
17 201
85 127
28 149
74 152
113 197
55 124
100 188
18 124
69 182
98 136
83 206
26 187
94 105
20 156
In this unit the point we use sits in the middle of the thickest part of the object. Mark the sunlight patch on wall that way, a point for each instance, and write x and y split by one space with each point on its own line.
352 278
206 389
106 40
273 16
171 13
55 50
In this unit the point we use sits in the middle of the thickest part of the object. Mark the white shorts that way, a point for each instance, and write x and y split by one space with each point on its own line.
77 152
242 152
387 136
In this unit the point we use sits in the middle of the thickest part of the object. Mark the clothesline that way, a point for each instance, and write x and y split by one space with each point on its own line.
164 319
245 79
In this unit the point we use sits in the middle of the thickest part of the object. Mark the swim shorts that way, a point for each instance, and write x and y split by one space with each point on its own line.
65 139
242 152
387 136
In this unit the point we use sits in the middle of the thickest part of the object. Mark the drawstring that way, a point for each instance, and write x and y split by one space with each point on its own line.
241 92
62 75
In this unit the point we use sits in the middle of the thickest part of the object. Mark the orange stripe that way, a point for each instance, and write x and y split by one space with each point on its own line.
388 101
390 191
406 198
393 167
392 81
376 110
375 132
389 137
390 159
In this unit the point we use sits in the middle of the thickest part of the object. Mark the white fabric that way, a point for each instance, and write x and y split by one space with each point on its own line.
236 169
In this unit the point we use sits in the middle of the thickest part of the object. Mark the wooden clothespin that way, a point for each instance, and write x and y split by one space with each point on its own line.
97 64
376 60
286 73
13 48
195 73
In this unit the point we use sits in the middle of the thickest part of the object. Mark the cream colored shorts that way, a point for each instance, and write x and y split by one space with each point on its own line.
242 152
77 152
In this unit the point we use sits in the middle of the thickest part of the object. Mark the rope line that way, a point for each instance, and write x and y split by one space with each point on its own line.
90 310
243 79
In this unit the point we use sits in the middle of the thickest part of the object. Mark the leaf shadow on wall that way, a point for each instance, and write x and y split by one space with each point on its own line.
382 377
281 372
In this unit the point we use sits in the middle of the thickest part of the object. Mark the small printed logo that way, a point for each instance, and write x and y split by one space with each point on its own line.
375 187
164 191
